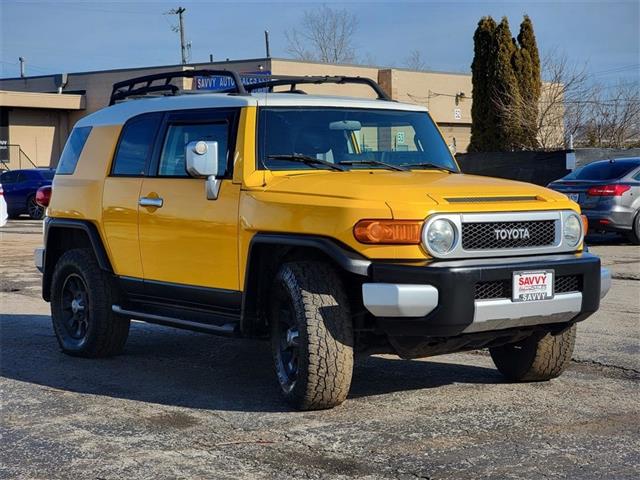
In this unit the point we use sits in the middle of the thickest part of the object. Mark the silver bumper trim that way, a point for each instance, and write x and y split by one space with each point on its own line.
399 300
38 258
605 281
503 313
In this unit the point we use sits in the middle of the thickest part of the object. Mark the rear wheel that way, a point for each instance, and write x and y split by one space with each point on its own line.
535 359
35 211
311 335
81 298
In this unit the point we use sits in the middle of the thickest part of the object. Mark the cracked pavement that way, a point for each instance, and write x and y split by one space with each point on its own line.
180 404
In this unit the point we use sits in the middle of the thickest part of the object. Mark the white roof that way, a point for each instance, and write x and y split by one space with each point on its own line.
121 112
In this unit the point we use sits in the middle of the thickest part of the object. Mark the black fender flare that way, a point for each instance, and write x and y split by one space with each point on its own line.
346 258
50 251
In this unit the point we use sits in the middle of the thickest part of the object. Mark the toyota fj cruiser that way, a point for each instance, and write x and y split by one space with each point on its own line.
333 226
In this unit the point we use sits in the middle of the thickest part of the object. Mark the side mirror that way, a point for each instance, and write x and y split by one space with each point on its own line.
202 158
202 161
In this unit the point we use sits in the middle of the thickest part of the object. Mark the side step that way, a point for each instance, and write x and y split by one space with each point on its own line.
228 329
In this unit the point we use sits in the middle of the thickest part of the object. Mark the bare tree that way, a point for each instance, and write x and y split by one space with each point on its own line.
572 106
563 105
415 61
613 117
325 35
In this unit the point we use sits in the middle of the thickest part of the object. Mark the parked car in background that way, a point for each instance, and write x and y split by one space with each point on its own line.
608 192
3 208
20 187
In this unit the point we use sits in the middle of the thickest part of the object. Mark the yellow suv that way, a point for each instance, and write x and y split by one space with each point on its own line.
333 226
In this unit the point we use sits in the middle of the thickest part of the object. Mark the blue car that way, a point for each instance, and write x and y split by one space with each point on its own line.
20 188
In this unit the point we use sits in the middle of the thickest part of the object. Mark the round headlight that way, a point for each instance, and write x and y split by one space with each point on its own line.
441 236
572 230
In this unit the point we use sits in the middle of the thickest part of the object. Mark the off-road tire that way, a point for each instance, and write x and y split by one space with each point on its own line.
634 235
320 311
106 332
535 359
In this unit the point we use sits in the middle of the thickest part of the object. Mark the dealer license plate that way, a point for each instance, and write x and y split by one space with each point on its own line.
532 286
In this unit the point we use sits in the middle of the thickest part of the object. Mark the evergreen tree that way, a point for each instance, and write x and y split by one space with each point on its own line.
527 64
506 89
483 119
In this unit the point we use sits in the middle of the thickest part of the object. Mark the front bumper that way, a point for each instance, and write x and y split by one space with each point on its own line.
439 298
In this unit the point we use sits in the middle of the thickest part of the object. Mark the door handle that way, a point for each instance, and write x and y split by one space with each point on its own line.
155 202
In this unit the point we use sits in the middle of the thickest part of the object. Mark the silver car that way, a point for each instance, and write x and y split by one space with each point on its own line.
608 192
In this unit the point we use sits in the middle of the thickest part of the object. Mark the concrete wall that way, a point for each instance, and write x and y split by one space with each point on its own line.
40 133
585 156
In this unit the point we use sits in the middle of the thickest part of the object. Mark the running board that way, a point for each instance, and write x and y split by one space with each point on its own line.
226 329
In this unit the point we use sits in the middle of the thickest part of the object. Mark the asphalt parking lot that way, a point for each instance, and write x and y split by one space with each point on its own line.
186 405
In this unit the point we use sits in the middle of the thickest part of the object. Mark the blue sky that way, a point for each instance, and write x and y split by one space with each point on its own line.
66 36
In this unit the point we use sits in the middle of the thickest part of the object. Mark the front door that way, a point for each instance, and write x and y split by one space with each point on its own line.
187 240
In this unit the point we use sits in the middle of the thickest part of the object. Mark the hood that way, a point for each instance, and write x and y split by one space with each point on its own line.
408 194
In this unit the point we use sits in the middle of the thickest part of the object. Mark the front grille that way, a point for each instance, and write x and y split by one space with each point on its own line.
503 288
500 235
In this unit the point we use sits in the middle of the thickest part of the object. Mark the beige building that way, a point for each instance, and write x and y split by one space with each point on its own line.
37 113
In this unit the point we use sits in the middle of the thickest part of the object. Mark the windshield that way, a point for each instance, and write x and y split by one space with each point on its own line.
353 138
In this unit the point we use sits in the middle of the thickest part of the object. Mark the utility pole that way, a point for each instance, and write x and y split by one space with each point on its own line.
21 59
183 46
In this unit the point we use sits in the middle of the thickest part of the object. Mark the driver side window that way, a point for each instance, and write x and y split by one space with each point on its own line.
172 159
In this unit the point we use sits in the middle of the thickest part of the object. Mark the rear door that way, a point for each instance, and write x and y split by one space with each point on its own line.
122 192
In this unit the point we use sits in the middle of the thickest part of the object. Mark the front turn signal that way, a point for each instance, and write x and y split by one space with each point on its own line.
403 232
585 224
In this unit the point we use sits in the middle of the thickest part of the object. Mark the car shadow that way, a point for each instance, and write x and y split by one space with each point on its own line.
181 368
605 239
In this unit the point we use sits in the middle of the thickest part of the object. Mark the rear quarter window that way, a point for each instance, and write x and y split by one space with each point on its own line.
72 150
136 145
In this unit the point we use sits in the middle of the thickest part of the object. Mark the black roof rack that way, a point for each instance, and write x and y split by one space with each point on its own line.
294 81
130 88
145 84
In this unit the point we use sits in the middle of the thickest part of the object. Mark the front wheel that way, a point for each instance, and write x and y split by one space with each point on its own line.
311 335
81 298
535 359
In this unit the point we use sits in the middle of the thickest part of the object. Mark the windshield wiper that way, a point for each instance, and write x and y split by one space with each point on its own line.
306 159
427 165
374 162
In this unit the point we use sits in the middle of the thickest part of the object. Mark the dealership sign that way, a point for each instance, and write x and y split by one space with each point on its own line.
215 83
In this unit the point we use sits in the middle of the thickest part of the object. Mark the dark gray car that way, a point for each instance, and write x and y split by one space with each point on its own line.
608 192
